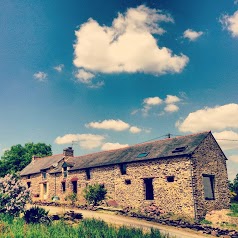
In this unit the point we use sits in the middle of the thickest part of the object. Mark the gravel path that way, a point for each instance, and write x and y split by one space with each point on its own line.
133 222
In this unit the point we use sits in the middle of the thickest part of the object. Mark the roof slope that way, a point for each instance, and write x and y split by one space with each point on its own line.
41 163
156 149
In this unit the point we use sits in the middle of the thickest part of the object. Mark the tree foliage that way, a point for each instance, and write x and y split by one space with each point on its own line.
18 156
233 186
95 194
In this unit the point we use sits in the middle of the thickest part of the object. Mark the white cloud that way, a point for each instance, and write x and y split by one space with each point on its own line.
171 108
230 23
217 118
84 76
59 68
228 140
192 35
113 146
170 99
233 158
86 141
116 125
152 101
40 76
126 46
135 129
148 103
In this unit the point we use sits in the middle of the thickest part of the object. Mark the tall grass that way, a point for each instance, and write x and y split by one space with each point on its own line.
88 228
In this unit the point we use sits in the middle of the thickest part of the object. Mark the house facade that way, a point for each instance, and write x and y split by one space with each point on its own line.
184 175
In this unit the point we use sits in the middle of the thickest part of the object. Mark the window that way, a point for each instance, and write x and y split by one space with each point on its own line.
208 185
179 149
28 176
170 179
45 188
149 190
141 155
75 189
63 187
28 184
123 168
127 181
43 173
65 172
88 175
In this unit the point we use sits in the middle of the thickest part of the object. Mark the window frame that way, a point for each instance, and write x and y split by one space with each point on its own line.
149 189
123 168
88 174
211 186
63 187
44 174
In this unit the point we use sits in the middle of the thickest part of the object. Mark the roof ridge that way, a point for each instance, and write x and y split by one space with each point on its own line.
142 143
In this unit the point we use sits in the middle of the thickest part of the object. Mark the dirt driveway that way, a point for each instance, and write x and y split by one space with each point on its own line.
133 222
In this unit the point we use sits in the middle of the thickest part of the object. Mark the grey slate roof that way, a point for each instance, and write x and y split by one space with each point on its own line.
156 149
41 164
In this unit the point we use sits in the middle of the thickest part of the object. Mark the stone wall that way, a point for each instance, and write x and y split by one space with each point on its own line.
209 159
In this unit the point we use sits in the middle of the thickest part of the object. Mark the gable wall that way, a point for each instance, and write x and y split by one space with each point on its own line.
209 159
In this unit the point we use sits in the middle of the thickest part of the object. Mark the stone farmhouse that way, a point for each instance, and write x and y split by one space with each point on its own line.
183 175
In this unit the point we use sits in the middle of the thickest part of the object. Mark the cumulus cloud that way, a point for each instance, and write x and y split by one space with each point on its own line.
233 158
171 108
192 35
216 118
150 102
170 99
113 146
228 140
128 45
230 23
153 102
40 76
59 68
135 129
116 125
86 141
86 78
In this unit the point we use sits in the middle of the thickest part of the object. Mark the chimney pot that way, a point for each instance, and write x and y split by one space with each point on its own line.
68 151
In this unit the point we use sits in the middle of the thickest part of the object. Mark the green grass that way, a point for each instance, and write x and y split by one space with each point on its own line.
88 228
234 210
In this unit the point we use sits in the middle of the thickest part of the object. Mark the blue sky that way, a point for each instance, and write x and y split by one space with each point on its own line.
107 74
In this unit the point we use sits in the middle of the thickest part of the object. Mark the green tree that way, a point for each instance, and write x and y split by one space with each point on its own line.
18 156
95 194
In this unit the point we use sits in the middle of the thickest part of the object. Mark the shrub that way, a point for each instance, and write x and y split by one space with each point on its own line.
94 194
72 197
36 215
13 195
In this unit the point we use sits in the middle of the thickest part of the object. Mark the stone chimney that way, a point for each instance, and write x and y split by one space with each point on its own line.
34 158
68 151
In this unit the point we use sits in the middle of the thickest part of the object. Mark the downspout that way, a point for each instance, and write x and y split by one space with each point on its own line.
194 202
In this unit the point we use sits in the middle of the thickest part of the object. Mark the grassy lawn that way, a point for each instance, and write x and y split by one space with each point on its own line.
87 228
234 210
